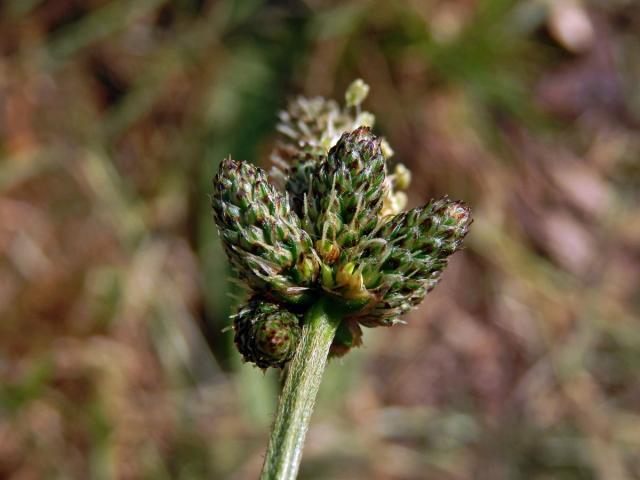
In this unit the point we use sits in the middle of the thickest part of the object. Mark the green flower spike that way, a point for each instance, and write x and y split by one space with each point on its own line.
406 259
261 235
346 194
307 130
266 334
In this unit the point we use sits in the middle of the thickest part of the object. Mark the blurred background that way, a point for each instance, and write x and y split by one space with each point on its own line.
523 364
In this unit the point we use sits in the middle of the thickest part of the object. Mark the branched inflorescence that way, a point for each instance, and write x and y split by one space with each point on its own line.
337 231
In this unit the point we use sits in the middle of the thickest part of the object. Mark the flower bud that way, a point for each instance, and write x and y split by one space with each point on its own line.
347 190
261 235
266 334
417 246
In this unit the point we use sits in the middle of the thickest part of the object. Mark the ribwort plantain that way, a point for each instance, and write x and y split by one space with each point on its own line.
332 252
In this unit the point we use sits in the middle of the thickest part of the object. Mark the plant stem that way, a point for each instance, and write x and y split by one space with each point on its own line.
299 394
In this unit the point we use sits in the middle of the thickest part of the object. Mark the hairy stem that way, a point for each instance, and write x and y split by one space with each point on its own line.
299 394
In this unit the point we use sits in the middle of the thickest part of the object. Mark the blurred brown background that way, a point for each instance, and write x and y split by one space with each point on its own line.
523 364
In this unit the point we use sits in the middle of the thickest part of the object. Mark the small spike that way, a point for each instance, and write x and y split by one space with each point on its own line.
261 235
266 334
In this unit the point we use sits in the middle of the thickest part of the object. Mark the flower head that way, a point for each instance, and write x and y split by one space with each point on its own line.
261 235
346 193
266 333
337 231
411 253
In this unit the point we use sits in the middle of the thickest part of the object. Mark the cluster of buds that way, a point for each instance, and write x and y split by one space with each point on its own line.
337 230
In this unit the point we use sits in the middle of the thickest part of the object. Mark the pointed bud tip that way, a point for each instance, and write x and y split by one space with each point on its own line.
229 167
460 211
228 163
362 139
363 132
